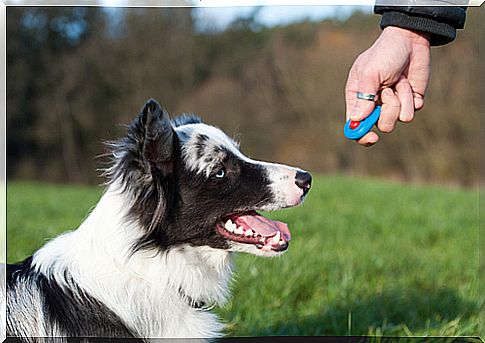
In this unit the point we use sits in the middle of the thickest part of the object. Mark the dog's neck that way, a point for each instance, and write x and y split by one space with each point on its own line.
141 287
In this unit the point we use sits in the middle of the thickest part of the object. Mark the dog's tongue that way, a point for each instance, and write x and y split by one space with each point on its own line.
262 225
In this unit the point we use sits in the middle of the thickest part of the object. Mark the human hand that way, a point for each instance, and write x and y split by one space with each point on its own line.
397 65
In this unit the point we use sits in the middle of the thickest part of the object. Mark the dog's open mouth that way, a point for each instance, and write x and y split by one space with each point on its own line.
252 228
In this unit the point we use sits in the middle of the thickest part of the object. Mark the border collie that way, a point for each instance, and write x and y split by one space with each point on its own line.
156 250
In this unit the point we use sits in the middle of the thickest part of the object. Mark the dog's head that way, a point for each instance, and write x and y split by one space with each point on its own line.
189 183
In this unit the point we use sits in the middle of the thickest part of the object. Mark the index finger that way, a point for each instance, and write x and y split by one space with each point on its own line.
358 109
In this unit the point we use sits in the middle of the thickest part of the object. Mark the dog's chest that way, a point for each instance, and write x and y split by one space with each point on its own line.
154 299
164 312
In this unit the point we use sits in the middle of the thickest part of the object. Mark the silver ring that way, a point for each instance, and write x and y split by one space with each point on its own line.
366 96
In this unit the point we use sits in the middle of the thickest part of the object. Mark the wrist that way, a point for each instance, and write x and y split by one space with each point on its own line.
415 37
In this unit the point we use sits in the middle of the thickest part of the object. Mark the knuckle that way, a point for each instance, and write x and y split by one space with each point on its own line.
368 73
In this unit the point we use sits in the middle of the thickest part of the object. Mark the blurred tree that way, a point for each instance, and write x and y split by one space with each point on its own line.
74 74
38 124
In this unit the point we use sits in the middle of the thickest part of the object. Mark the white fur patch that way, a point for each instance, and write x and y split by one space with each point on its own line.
215 138
143 290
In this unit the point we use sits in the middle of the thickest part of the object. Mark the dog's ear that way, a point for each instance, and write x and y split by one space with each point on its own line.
158 143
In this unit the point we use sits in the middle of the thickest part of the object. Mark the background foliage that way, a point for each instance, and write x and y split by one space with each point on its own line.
75 74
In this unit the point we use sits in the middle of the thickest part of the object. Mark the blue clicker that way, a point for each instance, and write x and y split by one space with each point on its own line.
357 130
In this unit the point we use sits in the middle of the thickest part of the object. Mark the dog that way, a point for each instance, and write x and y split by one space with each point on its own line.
155 253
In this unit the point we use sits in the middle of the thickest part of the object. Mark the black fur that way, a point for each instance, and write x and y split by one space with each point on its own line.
185 119
76 313
175 205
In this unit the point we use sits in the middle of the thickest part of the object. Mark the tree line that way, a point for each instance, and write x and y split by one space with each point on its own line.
76 75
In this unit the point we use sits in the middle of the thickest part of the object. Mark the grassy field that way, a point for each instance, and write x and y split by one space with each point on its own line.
366 258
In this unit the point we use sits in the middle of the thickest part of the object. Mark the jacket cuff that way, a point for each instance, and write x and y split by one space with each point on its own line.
439 33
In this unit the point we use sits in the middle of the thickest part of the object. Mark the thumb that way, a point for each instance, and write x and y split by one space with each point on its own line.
358 109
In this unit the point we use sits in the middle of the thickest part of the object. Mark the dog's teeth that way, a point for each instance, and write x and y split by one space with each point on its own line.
276 238
262 240
239 230
281 242
248 233
230 226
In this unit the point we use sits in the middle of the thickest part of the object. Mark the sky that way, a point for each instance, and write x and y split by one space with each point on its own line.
217 14
220 17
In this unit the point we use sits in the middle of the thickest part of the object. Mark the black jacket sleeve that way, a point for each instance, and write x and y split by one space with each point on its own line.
439 22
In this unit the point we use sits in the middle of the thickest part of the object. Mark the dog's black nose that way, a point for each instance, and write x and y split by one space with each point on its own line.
304 181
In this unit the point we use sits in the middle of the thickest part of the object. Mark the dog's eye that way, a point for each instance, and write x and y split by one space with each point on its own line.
221 173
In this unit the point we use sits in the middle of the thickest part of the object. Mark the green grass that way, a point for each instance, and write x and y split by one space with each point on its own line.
366 258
